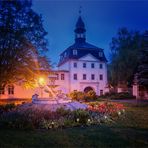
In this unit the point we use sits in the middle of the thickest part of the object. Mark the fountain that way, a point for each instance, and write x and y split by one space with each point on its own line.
54 96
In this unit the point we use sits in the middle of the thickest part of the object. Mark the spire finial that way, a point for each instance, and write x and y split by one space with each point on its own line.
80 10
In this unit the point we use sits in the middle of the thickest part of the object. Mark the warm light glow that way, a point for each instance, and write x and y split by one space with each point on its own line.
41 81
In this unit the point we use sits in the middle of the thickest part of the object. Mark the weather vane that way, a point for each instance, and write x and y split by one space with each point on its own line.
80 10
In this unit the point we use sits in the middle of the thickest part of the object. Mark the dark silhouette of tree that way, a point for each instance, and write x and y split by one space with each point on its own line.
22 42
142 70
124 56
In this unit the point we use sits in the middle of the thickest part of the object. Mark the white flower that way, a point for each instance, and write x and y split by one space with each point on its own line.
78 119
119 113
88 120
52 122
105 117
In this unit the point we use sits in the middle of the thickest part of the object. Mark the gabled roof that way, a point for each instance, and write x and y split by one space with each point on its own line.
83 49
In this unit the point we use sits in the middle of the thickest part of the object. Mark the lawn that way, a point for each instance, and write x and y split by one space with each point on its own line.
130 131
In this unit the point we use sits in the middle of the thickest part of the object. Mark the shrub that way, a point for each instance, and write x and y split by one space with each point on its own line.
63 112
77 95
6 107
91 95
82 96
15 119
122 95
81 116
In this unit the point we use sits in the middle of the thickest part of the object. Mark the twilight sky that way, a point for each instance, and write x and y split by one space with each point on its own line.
102 19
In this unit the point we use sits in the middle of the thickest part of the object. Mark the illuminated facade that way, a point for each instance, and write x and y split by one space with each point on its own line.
81 67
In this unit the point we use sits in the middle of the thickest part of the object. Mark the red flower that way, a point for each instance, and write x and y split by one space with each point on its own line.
108 108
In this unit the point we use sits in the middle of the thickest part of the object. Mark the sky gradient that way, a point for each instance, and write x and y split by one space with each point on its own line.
102 20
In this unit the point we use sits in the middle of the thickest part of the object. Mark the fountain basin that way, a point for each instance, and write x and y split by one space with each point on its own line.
50 101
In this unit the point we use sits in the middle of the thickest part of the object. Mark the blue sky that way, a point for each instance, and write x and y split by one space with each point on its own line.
102 19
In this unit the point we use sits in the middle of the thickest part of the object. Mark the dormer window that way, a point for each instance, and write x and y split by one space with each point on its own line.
100 54
75 52
61 57
65 54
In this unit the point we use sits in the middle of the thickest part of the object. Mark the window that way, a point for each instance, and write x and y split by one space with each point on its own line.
65 54
75 65
74 52
92 65
57 78
2 90
84 76
101 77
62 77
61 57
84 65
92 76
78 35
75 76
101 66
101 92
100 54
10 89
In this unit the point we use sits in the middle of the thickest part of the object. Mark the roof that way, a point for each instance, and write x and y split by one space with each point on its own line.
81 46
80 26
83 49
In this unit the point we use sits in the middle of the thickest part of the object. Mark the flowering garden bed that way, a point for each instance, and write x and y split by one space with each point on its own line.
95 114
107 108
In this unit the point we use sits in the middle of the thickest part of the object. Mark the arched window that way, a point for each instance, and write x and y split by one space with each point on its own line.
10 89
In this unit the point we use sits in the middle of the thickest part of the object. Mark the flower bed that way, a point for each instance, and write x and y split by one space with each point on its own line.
33 118
108 108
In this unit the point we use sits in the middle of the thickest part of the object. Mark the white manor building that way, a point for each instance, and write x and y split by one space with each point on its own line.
81 67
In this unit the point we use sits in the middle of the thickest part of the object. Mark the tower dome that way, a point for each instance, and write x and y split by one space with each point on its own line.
80 31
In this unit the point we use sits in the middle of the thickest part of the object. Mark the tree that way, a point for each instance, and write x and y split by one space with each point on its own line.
142 70
22 41
124 50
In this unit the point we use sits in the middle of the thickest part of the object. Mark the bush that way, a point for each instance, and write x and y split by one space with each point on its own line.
6 107
90 95
122 95
77 95
15 119
81 116
82 96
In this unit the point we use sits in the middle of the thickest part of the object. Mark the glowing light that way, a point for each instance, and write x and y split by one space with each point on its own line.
41 81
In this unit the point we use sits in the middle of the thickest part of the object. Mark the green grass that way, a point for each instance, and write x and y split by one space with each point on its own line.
130 131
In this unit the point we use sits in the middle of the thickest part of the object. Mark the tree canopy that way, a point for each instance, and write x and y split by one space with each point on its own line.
22 41
142 70
124 56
